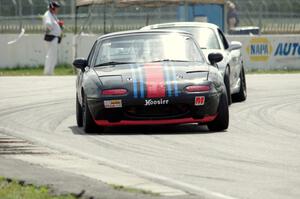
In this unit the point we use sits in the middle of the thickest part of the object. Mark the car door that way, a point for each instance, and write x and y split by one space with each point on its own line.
233 59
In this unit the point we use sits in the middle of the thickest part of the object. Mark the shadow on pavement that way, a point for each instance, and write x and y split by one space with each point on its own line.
148 130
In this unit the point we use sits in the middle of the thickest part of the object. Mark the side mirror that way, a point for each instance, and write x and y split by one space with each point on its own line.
215 58
80 63
235 45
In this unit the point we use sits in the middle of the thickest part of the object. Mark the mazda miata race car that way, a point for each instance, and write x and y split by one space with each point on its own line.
211 39
151 77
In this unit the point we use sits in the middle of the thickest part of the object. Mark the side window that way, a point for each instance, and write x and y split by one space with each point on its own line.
223 39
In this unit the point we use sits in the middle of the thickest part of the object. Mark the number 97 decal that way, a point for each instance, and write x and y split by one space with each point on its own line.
199 100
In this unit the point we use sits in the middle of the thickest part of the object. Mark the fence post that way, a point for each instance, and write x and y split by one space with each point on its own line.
20 14
260 19
112 26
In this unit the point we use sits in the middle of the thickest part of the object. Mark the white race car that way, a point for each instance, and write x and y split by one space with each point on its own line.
211 39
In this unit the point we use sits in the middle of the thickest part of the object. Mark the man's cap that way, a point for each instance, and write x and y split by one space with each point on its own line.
54 4
230 4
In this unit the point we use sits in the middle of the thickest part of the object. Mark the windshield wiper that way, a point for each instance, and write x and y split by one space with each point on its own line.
170 60
112 63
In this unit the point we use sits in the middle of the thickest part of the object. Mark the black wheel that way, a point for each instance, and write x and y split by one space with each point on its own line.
89 124
222 120
242 94
78 113
227 85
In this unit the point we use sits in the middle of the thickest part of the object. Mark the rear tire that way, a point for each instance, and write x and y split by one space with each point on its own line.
89 125
78 113
242 94
222 120
227 85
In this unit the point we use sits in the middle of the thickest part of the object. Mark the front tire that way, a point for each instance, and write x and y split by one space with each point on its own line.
78 113
242 94
89 125
222 120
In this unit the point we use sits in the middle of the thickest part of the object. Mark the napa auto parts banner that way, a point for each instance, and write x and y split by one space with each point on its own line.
270 51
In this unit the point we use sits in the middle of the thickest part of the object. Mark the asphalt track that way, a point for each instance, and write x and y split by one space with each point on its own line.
257 157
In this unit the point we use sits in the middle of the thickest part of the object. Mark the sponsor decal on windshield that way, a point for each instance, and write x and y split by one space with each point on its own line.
151 102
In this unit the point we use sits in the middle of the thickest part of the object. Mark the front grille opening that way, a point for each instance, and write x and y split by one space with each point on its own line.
160 111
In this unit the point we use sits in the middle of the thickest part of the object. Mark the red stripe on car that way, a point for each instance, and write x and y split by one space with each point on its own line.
206 119
155 82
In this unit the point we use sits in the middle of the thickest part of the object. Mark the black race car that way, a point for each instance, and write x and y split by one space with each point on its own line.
149 77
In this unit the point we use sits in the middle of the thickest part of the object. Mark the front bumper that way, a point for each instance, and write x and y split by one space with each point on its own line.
179 110
204 120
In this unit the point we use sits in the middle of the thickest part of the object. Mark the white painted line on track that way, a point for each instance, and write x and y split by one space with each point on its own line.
158 178
164 181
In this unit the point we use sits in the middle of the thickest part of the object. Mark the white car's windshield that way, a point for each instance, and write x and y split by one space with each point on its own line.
205 37
148 48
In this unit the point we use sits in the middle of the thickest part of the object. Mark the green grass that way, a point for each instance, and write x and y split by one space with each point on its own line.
275 71
63 69
10 189
133 190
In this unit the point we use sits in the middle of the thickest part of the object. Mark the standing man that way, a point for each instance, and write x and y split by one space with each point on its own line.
52 36
232 15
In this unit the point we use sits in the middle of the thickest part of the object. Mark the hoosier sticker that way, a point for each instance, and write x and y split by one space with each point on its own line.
151 102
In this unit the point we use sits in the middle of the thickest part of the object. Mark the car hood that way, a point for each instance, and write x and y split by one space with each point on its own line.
168 68
153 80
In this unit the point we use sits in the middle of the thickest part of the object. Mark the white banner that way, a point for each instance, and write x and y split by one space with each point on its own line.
270 51
259 52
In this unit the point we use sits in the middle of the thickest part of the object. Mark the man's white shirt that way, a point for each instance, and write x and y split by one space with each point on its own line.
51 23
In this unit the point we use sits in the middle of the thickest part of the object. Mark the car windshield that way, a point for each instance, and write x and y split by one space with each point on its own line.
205 37
148 47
